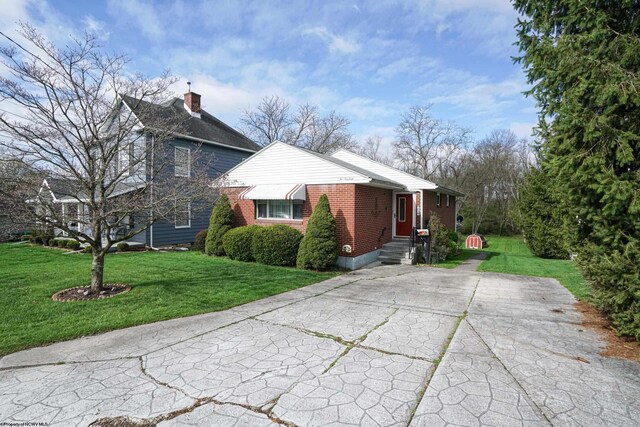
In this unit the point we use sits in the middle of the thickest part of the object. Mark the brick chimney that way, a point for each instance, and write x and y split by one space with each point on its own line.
192 103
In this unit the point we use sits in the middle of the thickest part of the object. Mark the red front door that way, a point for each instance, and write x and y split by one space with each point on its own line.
404 214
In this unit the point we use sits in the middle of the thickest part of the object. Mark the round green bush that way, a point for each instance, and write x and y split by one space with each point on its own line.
54 243
122 246
74 245
237 243
319 247
276 245
87 249
199 242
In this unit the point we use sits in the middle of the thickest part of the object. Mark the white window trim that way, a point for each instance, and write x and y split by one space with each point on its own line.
448 200
438 199
291 203
175 161
175 217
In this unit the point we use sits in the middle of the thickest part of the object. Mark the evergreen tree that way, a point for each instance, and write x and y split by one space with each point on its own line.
539 216
319 247
583 59
220 222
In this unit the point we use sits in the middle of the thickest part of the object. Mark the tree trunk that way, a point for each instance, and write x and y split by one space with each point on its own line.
97 270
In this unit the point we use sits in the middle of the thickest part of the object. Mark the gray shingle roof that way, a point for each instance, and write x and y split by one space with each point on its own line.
207 127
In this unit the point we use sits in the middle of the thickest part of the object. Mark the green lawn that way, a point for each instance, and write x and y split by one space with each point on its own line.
510 255
165 285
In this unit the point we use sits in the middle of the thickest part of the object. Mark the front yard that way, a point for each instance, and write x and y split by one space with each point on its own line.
509 254
165 285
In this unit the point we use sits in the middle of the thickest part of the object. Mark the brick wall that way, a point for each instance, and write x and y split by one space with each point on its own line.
447 214
361 213
373 218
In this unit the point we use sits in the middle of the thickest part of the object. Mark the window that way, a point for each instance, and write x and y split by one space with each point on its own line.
402 209
183 213
126 155
438 199
447 200
183 162
279 209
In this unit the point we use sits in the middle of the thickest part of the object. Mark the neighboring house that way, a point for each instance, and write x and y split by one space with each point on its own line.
199 131
372 202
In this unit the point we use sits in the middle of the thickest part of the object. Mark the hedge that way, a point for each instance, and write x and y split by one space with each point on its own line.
238 243
276 245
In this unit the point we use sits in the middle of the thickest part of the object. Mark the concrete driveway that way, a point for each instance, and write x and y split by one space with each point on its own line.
395 345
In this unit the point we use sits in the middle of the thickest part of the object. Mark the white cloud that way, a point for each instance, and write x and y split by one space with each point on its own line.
12 12
523 130
143 16
368 109
337 44
95 26
405 66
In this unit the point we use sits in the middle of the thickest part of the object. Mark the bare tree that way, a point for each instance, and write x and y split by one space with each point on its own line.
371 149
492 174
428 147
273 120
98 133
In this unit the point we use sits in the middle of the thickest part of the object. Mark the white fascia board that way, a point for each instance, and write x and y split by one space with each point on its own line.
46 184
138 121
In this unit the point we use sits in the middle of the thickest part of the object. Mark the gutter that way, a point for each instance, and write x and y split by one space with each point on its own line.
206 141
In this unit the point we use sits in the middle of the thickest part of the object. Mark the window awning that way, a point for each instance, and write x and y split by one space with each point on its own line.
275 192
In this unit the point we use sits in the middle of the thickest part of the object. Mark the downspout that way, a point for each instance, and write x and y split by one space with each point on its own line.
421 208
151 195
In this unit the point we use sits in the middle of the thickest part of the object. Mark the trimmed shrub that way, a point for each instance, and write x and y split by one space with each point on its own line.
54 243
319 247
74 245
220 222
47 236
238 242
87 249
122 247
443 240
276 245
198 243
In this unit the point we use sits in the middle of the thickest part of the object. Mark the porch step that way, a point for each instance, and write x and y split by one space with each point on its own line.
398 251
394 260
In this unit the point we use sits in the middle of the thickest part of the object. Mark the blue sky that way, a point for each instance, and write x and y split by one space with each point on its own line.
368 60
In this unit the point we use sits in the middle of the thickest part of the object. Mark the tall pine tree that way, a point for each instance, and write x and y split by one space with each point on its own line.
583 59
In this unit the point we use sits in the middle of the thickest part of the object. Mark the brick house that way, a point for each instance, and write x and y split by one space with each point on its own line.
372 203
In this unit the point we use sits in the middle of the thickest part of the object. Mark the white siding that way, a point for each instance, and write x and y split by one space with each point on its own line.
411 182
281 163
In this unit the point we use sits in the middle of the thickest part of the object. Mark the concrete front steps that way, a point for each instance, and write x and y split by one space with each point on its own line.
397 251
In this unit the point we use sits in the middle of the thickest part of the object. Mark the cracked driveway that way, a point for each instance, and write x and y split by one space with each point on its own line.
394 345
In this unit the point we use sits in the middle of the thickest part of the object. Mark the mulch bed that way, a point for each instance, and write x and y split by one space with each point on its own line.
617 346
84 293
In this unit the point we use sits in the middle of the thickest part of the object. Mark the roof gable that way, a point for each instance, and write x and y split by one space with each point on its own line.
206 128
281 163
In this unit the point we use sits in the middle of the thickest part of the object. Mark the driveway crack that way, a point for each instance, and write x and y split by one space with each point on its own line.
530 400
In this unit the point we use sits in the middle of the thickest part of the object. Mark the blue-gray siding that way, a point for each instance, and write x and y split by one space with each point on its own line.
164 232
